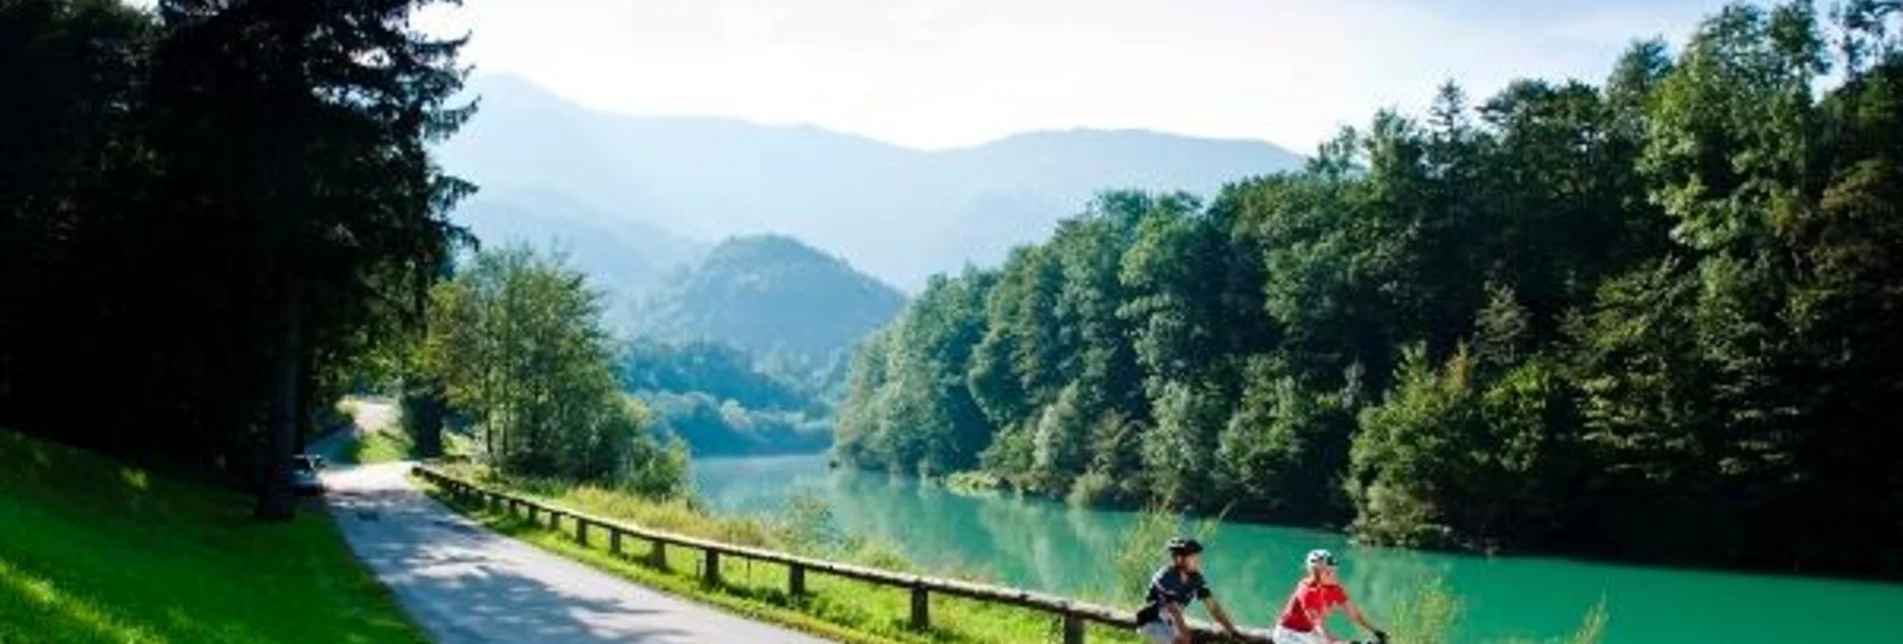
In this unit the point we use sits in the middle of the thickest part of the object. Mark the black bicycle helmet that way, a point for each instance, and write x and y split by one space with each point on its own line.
1184 546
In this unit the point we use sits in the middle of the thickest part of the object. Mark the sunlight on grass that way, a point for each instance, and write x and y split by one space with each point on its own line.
379 446
94 551
136 479
22 594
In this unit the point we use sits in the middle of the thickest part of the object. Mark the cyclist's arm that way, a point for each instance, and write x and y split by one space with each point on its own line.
1320 620
1354 613
1222 616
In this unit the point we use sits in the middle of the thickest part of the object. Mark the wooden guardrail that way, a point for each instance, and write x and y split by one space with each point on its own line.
1073 614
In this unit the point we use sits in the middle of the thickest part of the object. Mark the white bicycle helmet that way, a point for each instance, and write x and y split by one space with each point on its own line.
1320 557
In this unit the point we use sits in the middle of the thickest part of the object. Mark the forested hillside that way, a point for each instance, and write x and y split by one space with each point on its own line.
720 401
1652 318
775 297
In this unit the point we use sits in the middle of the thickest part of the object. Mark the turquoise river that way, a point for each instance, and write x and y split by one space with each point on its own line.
1052 547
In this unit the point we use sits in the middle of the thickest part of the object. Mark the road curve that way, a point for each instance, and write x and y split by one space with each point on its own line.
463 583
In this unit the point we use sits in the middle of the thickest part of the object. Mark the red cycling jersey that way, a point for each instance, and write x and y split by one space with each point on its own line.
1311 598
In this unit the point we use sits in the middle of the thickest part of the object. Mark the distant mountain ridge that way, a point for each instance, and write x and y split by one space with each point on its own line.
624 258
899 213
774 297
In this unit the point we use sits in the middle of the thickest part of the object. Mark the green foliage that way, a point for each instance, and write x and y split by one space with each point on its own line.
1280 454
517 343
1413 452
1429 616
227 206
423 408
915 371
718 401
1136 558
94 550
714 427
718 370
1646 320
1592 628
378 446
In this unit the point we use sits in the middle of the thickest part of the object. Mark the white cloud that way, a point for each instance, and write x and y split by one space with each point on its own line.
936 73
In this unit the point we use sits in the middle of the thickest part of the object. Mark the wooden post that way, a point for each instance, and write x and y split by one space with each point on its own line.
921 607
1073 628
554 520
795 579
614 540
657 556
711 576
581 531
531 513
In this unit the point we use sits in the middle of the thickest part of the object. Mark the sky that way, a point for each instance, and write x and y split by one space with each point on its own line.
947 73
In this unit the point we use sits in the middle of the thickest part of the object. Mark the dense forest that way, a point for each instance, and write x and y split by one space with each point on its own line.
209 211
1653 318
720 401
218 216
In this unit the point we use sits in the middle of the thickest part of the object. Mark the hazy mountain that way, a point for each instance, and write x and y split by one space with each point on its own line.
899 213
623 257
774 297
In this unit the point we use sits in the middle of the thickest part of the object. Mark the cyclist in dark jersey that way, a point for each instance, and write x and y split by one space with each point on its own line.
1172 589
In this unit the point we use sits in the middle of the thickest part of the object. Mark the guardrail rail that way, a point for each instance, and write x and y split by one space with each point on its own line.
1073 614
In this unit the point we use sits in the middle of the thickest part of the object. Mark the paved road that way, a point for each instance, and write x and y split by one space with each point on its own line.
464 583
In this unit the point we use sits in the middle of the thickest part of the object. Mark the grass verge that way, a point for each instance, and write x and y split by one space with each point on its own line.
92 550
378 446
854 611
836 608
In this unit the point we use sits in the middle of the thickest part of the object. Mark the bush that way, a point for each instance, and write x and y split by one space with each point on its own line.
1093 488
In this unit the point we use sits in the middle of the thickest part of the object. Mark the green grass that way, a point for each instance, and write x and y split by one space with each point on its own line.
854 611
95 551
836 608
378 446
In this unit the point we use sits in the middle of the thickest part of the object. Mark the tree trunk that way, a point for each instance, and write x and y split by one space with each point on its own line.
306 386
276 501
423 409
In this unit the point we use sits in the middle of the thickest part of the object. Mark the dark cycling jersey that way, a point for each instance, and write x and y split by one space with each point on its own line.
1173 586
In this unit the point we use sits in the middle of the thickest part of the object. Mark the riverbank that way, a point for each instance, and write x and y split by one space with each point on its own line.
836 608
1430 613
1029 542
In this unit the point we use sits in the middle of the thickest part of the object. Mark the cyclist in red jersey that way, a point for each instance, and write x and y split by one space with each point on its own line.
1305 619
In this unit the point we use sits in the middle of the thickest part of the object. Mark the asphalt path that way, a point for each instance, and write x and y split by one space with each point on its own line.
464 583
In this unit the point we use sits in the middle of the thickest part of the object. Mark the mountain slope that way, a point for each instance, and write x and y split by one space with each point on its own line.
625 258
775 297
899 213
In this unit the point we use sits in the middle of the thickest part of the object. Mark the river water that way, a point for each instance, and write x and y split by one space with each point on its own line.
1052 547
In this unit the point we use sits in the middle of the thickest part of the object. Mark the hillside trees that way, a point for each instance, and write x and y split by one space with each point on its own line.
1653 318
